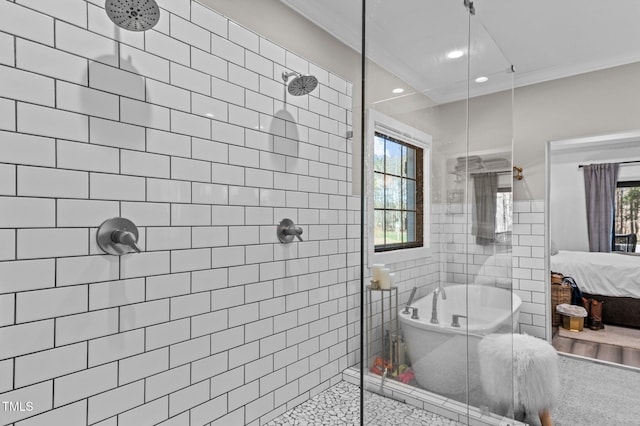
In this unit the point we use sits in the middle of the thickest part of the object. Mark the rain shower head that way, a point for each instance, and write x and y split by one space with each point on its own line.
133 15
301 84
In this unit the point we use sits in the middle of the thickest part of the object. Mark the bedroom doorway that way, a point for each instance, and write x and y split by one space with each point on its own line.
607 274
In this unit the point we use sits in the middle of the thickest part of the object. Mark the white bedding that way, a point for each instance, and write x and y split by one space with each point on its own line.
606 274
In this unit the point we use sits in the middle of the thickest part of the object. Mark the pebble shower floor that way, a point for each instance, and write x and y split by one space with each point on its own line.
339 405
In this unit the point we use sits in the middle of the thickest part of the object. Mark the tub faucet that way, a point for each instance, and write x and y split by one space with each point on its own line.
434 305
411 296
413 311
384 376
455 320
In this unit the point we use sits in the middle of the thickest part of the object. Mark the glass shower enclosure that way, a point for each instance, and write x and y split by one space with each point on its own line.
437 208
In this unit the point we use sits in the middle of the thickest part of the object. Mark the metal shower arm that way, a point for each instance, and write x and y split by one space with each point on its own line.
287 74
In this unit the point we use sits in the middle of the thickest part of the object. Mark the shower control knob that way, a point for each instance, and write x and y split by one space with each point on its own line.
287 231
118 236
296 231
126 238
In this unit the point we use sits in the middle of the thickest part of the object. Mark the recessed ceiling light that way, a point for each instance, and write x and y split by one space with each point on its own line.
398 90
481 79
455 54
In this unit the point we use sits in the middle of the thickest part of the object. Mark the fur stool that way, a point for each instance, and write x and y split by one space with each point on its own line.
533 384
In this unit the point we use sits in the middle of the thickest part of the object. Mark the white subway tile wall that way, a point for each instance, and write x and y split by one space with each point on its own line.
529 280
184 129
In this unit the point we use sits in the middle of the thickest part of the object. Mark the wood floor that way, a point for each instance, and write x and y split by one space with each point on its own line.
601 351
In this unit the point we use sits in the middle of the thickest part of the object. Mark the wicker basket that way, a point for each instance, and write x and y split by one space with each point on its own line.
559 294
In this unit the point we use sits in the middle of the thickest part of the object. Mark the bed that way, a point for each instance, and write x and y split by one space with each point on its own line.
610 277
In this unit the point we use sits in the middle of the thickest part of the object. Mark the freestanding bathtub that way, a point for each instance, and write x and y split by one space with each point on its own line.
443 357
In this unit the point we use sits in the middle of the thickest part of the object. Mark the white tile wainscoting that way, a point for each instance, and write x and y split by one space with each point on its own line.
184 129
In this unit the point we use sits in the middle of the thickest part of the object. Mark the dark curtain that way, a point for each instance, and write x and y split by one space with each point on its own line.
483 226
600 181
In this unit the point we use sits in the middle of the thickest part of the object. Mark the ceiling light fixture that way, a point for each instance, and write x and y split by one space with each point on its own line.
455 54
398 90
481 79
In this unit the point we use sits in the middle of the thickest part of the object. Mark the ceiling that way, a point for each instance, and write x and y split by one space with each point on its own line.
542 39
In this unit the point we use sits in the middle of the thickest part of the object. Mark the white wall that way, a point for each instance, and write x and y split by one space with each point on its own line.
568 215
595 103
216 321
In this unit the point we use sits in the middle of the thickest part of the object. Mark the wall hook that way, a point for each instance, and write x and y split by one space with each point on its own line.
517 173
118 236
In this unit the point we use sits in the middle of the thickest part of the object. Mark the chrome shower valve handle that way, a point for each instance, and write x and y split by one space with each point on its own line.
118 236
287 231
125 238
296 231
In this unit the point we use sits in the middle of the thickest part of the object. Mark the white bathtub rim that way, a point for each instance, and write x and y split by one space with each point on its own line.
444 326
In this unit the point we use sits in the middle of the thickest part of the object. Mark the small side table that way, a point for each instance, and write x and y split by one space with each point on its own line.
390 293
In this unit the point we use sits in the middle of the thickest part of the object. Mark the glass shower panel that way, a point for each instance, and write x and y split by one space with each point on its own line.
421 334
412 75
492 306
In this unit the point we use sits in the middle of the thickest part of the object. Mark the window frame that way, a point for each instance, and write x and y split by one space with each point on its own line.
381 123
505 236
419 202
635 183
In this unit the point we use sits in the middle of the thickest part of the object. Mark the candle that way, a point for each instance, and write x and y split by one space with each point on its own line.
377 272
385 279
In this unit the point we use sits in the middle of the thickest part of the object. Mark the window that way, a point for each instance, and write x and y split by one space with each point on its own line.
626 216
397 194
398 174
504 215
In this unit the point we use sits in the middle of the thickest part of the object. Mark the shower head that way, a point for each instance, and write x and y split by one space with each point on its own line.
133 15
301 84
